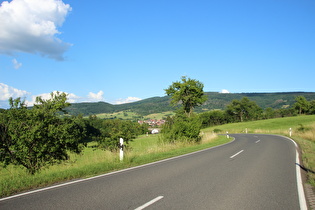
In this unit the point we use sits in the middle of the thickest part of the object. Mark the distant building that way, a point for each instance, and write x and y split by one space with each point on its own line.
152 122
155 131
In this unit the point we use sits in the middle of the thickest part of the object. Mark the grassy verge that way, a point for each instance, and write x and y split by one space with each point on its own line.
93 161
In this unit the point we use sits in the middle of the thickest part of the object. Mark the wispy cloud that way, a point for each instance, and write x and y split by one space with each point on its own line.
31 26
16 64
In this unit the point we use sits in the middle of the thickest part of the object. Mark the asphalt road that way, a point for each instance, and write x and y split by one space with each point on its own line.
252 172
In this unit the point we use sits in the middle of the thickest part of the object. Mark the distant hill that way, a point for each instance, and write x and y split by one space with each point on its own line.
215 101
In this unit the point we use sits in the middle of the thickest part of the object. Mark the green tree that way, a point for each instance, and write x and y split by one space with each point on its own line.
269 113
38 137
301 105
188 92
312 107
212 118
244 109
184 126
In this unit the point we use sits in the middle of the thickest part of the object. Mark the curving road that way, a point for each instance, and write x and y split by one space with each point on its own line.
252 172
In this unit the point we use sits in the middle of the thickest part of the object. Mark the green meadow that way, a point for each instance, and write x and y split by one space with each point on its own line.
145 149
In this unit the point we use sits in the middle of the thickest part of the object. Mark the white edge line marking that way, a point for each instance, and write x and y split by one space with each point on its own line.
302 200
257 141
149 203
110 173
237 154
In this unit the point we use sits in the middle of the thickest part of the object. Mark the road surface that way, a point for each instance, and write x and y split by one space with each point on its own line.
252 172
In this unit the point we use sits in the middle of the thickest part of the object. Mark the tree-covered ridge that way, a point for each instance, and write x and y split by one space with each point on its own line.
215 101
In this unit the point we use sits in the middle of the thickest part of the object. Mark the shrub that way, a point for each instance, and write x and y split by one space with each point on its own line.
216 130
181 128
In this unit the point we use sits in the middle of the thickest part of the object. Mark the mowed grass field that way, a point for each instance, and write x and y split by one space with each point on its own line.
145 149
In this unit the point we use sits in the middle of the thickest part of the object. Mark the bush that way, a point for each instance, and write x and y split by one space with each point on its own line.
181 128
216 130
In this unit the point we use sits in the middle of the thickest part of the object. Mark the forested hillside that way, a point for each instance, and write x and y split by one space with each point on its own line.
215 101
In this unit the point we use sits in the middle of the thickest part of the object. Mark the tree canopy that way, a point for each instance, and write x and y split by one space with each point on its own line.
184 126
37 137
244 109
188 92
302 105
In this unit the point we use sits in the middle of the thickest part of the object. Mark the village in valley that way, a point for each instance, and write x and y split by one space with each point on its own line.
154 124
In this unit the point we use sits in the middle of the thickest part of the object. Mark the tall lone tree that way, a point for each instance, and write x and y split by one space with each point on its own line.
188 92
184 126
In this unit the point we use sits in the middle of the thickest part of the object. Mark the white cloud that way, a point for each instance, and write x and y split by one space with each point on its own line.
127 100
31 26
16 64
224 91
96 96
6 92
72 98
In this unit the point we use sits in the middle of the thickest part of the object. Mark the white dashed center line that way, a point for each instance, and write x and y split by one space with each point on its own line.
149 203
237 154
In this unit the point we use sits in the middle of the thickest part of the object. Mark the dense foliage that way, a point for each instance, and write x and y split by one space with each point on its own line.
243 109
187 92
108 132
184 126
37 137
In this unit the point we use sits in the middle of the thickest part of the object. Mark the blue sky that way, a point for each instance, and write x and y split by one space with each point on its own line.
126 50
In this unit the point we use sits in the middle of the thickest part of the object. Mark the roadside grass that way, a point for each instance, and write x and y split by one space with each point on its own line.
93 161
303 132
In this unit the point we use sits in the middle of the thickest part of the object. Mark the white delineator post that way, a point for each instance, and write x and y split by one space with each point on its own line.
290 132
121 154
227 135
